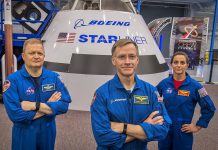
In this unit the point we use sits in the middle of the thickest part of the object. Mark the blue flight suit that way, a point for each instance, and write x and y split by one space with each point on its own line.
112 102
180 105
38 134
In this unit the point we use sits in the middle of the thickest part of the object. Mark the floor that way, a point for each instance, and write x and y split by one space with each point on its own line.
74 130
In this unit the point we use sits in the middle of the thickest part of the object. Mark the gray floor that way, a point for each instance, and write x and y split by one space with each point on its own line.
74 131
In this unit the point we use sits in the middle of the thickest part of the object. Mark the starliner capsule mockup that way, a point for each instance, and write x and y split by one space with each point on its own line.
78 45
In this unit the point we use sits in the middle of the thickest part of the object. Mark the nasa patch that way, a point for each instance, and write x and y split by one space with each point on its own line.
6 85
30 91
169 90
202 92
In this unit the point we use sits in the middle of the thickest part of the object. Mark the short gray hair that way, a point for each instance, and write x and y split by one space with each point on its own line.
31 41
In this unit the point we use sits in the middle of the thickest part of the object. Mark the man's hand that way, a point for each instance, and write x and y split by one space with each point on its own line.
56 96
27 105
38 115
117 127
190 128
154 120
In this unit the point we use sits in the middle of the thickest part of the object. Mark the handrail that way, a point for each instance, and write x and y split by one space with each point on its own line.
52 12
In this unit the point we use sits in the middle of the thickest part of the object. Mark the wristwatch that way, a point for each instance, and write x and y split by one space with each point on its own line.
37 106
124 128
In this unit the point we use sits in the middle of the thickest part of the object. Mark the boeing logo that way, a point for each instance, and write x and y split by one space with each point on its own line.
118 100
80 23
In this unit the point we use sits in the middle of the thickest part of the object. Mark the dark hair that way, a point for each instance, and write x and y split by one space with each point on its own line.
180 53
31 41
123 42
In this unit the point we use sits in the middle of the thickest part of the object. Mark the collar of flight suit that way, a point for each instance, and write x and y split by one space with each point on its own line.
119 85
26 74
185 82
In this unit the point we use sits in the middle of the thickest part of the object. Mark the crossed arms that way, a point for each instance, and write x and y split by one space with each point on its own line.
44 109
136 131
110 134
24 111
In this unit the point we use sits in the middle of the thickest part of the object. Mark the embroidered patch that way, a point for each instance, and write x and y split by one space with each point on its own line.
118 100
183 93
30 91
48 87
159 98
141 99
202 92
169 90
6 85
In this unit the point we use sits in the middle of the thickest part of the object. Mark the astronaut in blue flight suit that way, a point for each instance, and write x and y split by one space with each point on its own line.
125 112
181 93
33 96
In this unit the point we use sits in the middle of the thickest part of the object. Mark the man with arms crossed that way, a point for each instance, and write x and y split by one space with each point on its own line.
125 112
33 96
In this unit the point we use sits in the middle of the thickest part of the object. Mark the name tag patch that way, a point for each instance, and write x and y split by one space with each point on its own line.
48 87
141 99
183 93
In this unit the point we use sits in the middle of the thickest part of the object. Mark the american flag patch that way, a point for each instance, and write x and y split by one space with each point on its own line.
65 37
202 92
160 99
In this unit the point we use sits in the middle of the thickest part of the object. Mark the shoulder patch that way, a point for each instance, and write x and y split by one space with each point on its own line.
202 92
159 98
6 85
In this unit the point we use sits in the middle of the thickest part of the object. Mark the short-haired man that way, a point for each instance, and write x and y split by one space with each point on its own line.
33 96
125 112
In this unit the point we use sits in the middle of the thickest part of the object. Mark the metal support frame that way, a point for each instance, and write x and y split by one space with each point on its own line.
17 42
139 6
212 42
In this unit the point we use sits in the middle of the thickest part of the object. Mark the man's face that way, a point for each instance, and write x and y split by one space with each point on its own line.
33 56
125 59
179 65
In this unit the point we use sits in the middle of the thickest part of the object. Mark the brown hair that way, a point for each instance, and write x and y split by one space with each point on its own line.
31 41
180 53
123 42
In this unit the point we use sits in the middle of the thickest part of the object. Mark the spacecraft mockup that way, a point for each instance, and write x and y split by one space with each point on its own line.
78 45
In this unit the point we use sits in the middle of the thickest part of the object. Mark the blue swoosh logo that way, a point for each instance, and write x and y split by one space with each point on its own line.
79 23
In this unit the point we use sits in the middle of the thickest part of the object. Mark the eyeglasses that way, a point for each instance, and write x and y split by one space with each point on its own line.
124 57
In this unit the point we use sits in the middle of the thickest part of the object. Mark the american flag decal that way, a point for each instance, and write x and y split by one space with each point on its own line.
65 37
